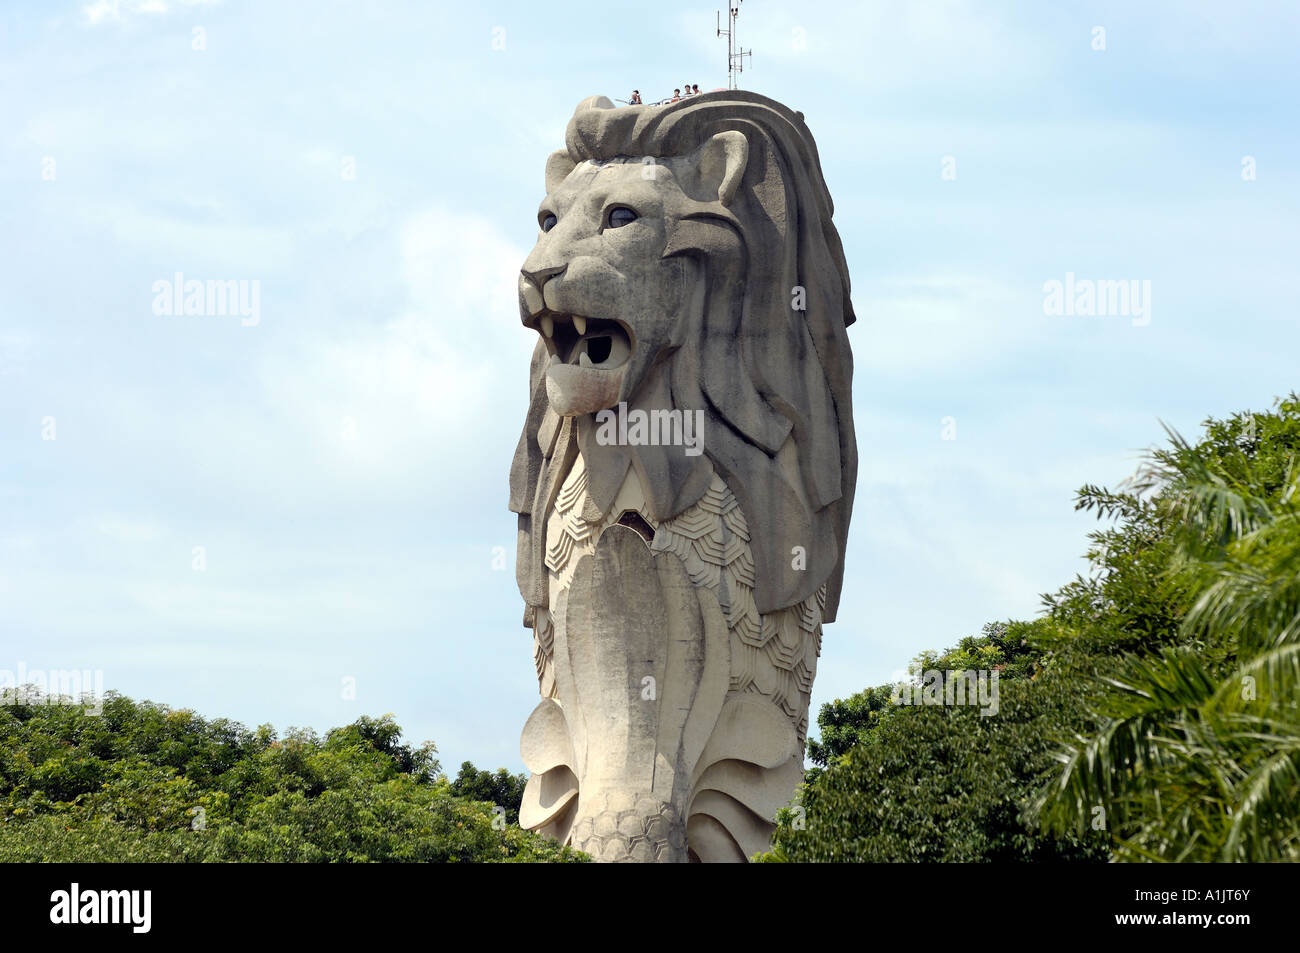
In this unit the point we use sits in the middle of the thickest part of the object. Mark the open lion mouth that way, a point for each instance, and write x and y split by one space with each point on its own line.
589 357
597 343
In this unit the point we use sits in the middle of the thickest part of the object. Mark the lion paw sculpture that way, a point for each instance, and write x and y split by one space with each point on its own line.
685 476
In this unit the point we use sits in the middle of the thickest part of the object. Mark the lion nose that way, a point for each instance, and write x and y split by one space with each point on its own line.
541 276
533 282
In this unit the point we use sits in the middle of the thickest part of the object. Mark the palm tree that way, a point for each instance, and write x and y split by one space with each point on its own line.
1196 756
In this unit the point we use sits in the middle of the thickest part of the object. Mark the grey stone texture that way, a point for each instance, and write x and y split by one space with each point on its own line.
686 263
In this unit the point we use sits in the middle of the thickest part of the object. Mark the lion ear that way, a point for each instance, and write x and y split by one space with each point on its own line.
558 167
721 163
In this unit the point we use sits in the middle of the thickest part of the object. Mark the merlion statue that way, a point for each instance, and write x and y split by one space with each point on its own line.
685 475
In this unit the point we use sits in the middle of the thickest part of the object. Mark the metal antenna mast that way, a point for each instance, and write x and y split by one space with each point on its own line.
735 55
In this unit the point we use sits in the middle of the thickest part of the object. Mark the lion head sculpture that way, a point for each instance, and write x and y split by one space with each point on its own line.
686 264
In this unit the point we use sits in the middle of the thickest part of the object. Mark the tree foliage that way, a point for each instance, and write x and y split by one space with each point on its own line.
1150 714
142 782
1196 755
500 789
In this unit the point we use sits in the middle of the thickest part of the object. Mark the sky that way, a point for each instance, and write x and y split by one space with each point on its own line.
296 513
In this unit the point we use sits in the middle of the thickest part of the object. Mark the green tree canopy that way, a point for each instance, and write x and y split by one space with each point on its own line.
1149 714
143 782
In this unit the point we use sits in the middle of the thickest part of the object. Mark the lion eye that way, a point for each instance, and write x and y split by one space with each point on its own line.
620 215
548 221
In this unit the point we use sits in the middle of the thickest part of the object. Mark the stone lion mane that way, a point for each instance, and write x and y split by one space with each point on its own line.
795 365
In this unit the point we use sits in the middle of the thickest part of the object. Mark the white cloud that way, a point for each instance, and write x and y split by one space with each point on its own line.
16 348
127 530
881 46
925 322
106 11
386 398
